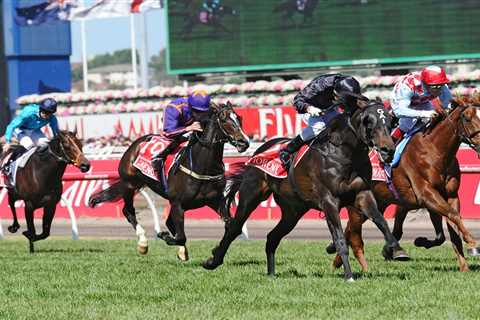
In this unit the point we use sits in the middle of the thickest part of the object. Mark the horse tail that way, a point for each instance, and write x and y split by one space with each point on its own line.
113 193
234 178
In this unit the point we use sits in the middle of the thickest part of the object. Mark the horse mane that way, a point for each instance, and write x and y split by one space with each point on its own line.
463 101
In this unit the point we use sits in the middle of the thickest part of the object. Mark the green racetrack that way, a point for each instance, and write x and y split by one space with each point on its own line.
95 279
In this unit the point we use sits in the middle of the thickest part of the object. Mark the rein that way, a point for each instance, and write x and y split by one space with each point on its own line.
465 136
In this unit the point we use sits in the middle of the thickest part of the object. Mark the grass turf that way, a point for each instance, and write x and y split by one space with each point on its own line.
93 279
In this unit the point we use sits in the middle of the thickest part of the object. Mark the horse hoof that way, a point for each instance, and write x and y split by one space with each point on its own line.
474 252
421 242
350 280
13 229
400 255
331 248
143 250
210 264
387 253
163 235
182 253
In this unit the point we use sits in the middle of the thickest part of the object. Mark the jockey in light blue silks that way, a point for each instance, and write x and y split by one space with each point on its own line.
26 125
181 116
412 96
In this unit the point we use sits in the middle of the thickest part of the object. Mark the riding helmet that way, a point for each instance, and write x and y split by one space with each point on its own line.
48 105
347 85
199 100
434 75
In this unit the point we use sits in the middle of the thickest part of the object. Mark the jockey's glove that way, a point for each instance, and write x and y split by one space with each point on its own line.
315 112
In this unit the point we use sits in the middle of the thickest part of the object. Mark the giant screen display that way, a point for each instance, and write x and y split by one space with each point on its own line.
232 35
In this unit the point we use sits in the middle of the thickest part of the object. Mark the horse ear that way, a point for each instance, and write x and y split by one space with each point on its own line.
215 107
362 103
229 104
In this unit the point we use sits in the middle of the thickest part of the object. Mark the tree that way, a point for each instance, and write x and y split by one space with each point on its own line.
158 65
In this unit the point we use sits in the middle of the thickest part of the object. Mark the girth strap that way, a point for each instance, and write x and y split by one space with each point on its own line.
201 176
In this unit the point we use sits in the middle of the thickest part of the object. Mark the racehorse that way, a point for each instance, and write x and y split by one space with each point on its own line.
330 175
302 7
39 182
210 19
199 182
434 187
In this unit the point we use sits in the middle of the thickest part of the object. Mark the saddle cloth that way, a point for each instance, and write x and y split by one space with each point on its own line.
269 161
148 149
8 177
378 173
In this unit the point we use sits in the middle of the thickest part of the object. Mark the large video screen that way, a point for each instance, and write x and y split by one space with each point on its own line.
233 35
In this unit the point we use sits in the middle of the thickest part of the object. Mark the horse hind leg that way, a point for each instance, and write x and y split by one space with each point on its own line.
15 225
286 224
129 213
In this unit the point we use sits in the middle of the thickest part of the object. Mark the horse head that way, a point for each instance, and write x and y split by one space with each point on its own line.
469 121
230 125
372 122
68 148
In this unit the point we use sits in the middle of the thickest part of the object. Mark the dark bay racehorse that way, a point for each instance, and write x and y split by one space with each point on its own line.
199 182
39 183
331 175
434 186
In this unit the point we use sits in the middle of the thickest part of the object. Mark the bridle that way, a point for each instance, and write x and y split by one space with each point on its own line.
62 157
466 136
216 140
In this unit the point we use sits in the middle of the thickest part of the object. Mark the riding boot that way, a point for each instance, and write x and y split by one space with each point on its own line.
158 161
293 146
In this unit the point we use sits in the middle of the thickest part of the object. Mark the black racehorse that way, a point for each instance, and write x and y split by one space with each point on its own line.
290 7
199 180
332 174
39 182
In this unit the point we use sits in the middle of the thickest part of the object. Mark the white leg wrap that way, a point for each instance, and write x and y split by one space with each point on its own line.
142 238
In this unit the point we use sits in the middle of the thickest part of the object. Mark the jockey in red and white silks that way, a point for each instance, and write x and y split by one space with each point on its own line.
412 97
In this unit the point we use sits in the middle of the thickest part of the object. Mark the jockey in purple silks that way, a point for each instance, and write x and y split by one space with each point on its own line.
181 116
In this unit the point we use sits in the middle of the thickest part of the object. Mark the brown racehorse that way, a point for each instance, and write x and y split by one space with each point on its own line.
332 174
199 181
39 183
428 176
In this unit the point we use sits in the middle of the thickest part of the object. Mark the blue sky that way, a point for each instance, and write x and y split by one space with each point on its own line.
108 35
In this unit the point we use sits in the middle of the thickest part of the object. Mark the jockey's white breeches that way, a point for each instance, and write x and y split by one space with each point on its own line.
30 137
315 125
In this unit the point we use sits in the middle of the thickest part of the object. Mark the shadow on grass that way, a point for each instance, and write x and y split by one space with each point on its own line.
247 263
454 268
70 250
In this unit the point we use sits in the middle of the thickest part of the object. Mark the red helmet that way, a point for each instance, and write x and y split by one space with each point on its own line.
434 75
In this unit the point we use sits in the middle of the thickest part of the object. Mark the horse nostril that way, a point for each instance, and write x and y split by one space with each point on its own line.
84 167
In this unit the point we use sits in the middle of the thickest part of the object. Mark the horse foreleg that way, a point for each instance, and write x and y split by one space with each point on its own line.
11 202
439 235
437 204
332 213
457 246
353 235
286 224
365 202
400 215
182 252
177 214
30 233
129 213
252 193
48 214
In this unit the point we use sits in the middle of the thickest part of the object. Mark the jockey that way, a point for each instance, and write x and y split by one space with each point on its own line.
211 6
26 126
412 96
181 116
314 99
